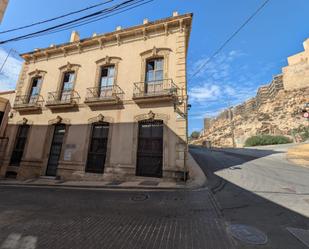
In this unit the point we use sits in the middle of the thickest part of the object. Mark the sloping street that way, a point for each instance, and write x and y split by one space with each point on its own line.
260 188
39 218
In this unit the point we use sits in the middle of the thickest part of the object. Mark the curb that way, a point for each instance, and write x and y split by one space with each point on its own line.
197 181
198 178
93 187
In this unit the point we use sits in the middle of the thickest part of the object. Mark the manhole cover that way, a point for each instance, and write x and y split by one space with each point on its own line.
149 183
140 197
114 183
248 234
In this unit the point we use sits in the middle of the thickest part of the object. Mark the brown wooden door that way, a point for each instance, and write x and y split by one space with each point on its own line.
55 150
150 148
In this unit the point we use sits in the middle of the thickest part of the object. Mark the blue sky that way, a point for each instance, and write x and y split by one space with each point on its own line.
250 60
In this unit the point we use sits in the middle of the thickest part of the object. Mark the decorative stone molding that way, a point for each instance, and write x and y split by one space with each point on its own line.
37 73
152 54
25 121
107 61
156 52
34 74
59 120
100 118
69 66
66 68
152 116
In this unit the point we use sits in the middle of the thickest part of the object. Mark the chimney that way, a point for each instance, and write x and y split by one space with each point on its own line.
146 21
175 13
74 36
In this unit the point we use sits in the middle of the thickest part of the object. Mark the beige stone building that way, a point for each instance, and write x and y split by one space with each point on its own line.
296 73
113 106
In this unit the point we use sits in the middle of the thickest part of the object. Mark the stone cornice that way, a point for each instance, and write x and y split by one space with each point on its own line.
181 21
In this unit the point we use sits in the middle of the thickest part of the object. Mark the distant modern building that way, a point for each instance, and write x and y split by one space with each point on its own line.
112 106
3 5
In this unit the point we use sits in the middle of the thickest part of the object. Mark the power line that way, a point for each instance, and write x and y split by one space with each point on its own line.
63 26
230 38
56 18
93 19
6 58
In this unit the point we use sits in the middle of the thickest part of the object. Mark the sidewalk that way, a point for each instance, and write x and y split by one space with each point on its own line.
299 155
197 180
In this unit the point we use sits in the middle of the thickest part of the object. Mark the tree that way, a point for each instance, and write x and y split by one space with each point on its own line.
195 135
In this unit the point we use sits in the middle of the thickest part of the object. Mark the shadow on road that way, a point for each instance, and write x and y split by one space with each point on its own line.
240 206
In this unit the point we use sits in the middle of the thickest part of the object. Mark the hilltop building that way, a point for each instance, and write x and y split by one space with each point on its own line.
274 109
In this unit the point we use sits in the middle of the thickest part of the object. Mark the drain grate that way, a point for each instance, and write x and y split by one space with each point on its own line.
149 183
301 234
248 234
140 197
114 183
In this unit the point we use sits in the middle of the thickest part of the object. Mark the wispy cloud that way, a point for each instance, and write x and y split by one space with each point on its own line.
224 79
10 71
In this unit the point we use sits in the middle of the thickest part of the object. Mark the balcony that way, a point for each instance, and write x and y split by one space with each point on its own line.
108 95
62 99
161 90
28 102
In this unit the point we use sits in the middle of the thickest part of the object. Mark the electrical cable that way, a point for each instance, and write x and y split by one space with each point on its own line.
93 19
229 39
55 18
84 18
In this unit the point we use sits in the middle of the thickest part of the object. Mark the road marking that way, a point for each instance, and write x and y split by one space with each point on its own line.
300 234
28 242
11 241
16 241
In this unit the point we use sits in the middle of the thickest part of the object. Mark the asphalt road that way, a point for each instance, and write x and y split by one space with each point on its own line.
260 188
50 218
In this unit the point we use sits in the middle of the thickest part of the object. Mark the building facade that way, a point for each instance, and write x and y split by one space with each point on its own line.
112 106
296 73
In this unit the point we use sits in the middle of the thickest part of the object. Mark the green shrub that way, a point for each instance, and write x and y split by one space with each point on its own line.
302 132
267 140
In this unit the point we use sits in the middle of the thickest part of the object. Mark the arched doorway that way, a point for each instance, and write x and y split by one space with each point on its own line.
150 148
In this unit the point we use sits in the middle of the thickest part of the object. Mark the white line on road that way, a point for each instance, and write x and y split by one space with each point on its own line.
16 241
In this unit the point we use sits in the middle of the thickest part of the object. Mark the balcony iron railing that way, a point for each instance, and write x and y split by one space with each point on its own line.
62 98
28 102
165 87
104 94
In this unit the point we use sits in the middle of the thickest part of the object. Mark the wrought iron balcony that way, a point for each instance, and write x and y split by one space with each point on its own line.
28 102
155 90
104 95
62 99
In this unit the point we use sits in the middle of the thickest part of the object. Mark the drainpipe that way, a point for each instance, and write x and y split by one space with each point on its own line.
187 146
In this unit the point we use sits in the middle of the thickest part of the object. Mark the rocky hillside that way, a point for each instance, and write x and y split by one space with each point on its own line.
277 116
